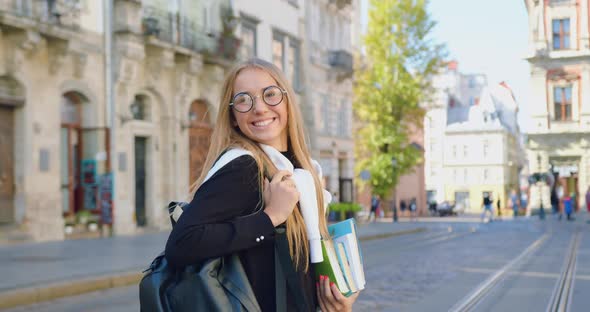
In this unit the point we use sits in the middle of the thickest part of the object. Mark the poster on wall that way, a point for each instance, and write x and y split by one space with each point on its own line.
105 197
88 172
89 183
90 196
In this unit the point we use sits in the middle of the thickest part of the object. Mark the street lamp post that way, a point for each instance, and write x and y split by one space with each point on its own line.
394 205
542 209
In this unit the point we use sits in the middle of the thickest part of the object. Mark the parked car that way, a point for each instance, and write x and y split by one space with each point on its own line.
446 208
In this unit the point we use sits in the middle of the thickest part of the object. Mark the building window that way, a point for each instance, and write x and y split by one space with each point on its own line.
486 148
465 151
294 63
248 36
140 108
561 34
454 151
486 175
278 51
562 100
343 119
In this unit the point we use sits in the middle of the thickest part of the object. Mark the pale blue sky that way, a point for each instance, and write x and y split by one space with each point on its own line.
488 37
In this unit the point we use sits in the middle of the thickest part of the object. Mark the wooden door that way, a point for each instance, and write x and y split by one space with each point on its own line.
71 154
6 165
199 139
140 179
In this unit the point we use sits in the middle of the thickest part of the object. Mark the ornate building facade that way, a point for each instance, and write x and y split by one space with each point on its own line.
329 48
559 137
168 63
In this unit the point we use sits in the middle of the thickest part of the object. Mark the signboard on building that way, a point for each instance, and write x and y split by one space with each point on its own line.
89 183
105 198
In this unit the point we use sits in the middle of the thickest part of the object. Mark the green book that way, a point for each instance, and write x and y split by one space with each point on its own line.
331 268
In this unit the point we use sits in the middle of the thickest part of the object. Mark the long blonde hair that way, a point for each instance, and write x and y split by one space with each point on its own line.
226 136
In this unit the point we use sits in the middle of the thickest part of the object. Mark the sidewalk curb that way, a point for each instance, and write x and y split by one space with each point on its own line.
391 234
31 295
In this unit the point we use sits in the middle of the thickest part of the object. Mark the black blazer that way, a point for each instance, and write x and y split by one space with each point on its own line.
226 216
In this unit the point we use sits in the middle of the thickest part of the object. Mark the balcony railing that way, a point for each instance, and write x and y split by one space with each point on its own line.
341 3
182 31
65 13
341 59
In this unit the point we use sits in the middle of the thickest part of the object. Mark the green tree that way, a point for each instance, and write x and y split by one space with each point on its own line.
394 78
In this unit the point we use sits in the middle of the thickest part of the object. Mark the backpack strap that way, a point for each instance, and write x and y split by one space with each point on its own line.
175 209
285 271
225 158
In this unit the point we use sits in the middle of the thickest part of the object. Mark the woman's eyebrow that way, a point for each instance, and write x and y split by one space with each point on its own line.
261 89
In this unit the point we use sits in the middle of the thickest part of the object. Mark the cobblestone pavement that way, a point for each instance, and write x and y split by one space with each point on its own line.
427 271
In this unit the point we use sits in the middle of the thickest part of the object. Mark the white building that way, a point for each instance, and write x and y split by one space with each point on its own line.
472 141
311 41
453 89
329 69
559 55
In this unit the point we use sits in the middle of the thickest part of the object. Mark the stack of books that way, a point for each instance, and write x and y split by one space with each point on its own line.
343 260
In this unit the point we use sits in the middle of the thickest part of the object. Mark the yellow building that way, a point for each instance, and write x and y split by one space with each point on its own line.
482 153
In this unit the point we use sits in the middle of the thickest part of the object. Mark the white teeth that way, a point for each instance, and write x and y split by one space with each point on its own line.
263 123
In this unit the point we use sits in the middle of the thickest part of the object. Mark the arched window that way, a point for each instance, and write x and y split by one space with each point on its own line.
70 110
140 108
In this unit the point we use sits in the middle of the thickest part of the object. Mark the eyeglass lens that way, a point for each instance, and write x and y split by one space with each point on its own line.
243 102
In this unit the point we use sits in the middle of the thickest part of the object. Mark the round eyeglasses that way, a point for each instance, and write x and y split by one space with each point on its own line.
243 101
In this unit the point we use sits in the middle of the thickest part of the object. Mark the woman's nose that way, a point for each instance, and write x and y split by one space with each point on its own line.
259 105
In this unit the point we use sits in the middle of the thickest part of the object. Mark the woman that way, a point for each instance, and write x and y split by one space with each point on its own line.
257 107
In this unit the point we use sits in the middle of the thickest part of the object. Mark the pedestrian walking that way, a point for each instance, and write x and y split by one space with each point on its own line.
514 203
487 207
403 206
432 207
239 211
413 209
568 206
498 205
588 204
555 203
375 202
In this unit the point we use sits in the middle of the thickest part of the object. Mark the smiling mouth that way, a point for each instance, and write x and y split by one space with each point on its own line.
263 123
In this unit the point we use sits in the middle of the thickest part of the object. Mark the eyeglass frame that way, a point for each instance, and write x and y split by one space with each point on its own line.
253 98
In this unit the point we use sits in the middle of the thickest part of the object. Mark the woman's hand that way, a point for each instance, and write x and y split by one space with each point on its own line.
331 299
280 197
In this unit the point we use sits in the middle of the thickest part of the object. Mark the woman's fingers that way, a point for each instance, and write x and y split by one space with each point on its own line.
320 297
335 295
266 183
330 298
280 176
327 293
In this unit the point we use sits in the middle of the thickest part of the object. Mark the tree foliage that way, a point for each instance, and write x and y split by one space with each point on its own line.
394 78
